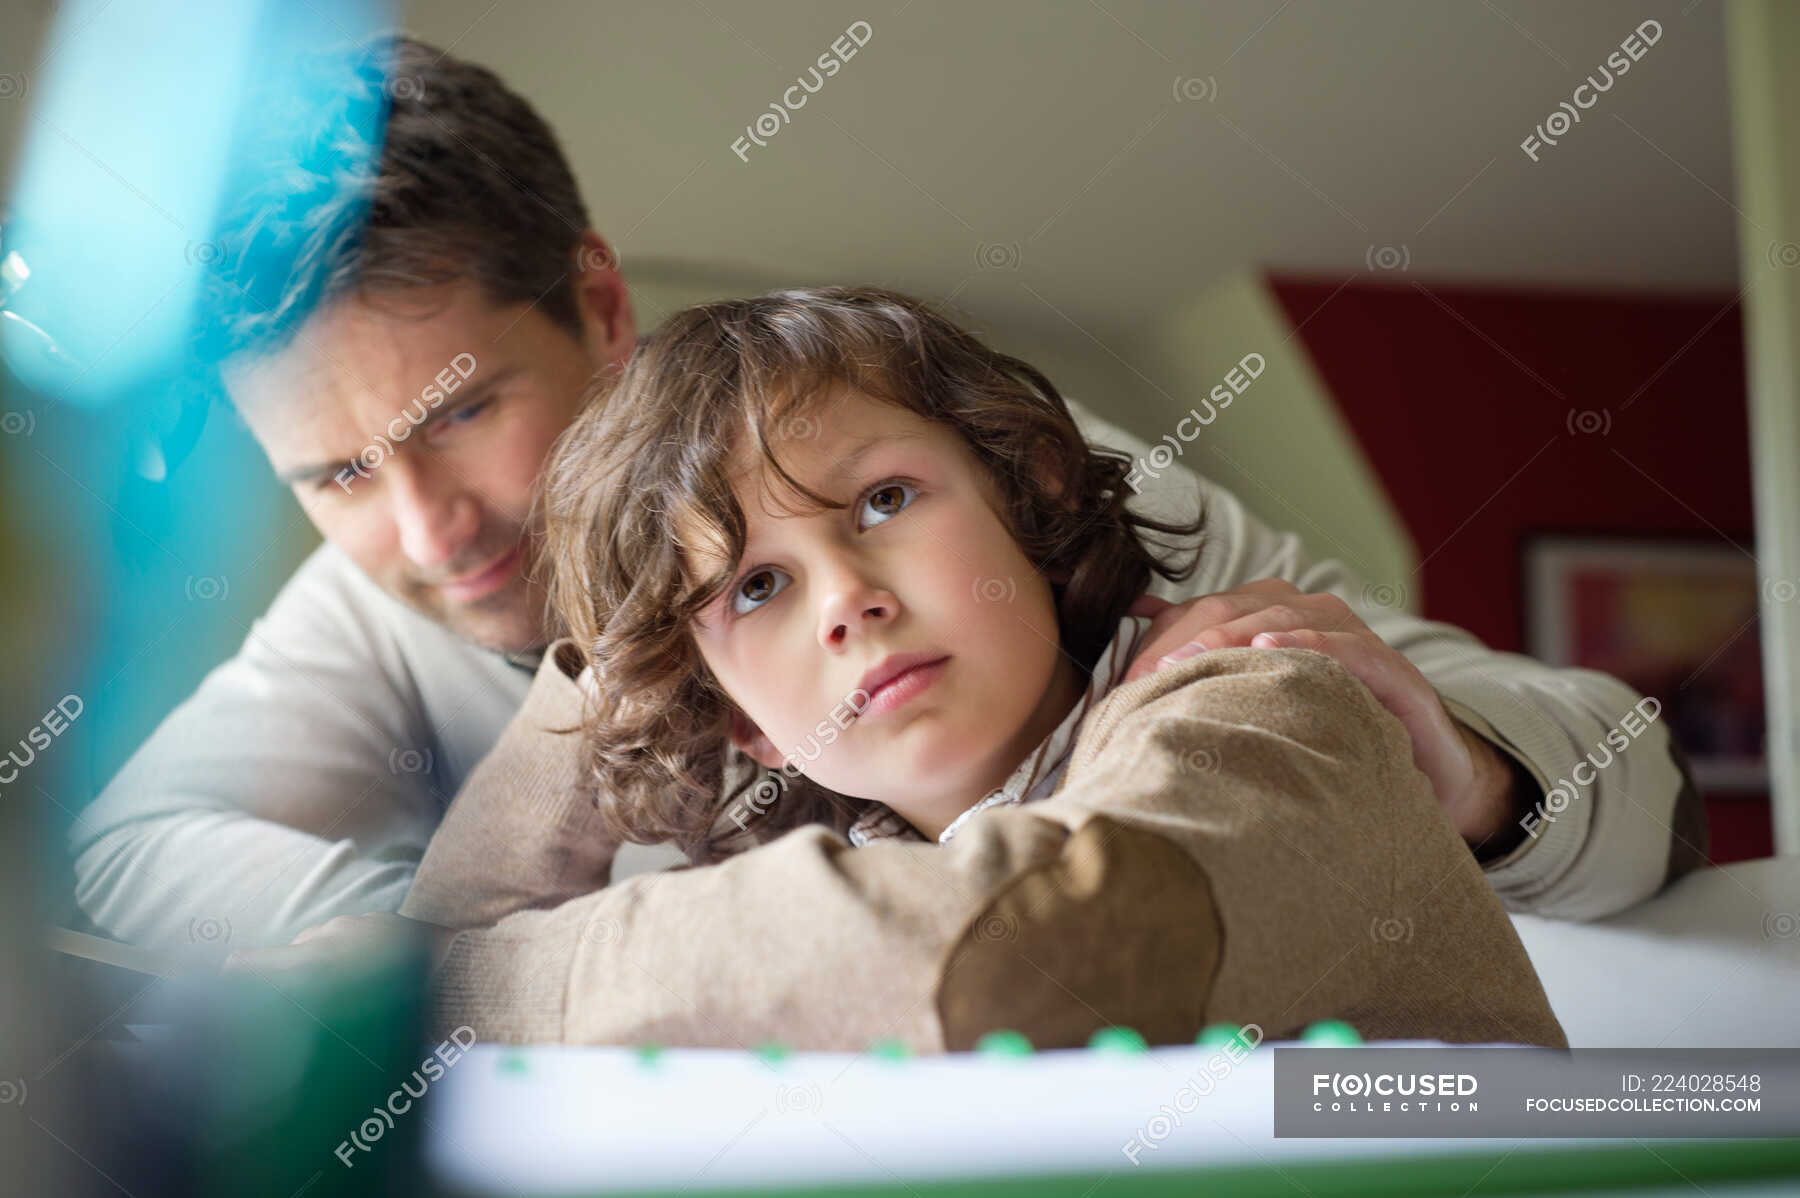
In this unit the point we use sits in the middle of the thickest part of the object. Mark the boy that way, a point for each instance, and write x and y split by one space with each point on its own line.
1241 837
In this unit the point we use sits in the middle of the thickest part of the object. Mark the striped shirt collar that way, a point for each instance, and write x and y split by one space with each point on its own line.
1037 776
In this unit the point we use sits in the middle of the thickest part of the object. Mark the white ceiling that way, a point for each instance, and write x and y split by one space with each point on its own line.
1051 134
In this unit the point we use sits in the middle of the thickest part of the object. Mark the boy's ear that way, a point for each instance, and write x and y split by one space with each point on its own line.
749 739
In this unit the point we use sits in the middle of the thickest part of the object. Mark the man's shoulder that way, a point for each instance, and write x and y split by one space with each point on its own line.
333 643
1102 432
1168 488
330 607
329 594
328 572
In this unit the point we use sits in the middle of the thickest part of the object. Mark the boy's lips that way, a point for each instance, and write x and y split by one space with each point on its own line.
896 679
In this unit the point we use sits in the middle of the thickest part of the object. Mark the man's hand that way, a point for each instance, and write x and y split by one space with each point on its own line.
347 941
1473 781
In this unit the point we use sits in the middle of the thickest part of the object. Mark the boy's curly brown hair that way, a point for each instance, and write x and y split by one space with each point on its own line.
651 453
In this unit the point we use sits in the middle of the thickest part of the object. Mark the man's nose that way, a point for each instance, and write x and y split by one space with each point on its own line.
852 605
435 514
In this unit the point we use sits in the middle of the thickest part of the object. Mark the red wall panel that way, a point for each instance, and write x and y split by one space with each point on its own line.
1493 413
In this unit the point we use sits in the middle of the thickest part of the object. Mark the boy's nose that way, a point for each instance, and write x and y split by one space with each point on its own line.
850 609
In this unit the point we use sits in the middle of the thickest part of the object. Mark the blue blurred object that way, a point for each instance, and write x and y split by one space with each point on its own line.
121 181
153 127
152 123
173 404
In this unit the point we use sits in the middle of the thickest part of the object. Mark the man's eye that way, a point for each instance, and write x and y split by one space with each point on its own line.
460 416
759 588
344 481
889 500
464 415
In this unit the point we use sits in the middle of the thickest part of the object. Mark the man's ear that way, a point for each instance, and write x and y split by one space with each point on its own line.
609 328
750 740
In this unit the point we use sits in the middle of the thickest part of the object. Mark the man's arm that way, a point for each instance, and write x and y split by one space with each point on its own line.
1627 829
296 784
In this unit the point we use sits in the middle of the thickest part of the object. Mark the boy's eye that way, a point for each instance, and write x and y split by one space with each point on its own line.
884 502
759 588
888 500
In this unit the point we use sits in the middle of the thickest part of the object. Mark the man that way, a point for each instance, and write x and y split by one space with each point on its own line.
412 330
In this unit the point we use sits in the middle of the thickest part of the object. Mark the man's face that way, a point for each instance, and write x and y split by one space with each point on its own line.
918 563
421 475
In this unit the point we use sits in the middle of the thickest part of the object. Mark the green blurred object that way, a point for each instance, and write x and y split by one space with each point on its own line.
773 1051
515 1062
649 1052
1118 1039
1218 1035
889 1049
1004 1042
1334 1033
288 1079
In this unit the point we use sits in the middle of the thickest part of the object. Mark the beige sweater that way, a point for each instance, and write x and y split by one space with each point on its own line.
1240 837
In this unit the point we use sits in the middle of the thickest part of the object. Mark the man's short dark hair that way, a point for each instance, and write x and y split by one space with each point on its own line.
397 166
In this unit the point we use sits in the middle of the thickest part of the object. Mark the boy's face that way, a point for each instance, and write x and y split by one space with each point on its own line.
920 564
438 513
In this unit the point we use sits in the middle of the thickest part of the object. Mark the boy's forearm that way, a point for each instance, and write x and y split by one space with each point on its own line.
1343 889
1112 902
1018 923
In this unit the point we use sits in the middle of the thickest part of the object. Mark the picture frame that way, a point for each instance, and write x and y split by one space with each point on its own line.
1672 617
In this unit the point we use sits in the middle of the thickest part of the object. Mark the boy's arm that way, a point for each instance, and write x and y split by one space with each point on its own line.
269 801
1055 918
1636 825
522 831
